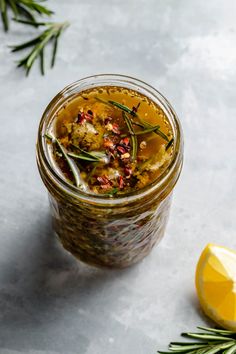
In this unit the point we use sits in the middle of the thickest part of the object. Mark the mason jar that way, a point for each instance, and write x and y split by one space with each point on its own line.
101 231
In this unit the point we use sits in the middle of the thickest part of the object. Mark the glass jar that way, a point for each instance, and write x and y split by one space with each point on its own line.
101 231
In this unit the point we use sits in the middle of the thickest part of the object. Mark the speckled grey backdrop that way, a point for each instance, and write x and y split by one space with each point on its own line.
51 304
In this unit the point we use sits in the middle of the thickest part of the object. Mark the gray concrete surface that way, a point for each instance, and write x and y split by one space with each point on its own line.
50 303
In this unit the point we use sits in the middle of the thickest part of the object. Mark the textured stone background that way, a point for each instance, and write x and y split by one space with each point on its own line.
51 304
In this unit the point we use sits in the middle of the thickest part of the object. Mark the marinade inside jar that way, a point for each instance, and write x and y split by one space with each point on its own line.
110 141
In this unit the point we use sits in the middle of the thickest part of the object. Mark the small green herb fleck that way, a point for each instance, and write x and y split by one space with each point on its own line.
148 130
123 108
112 192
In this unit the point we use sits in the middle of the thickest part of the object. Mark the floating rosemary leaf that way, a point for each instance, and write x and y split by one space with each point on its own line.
118 105
157 131
73 167
149 130
209 342
123 108
169 144
95 155
83 157
132 134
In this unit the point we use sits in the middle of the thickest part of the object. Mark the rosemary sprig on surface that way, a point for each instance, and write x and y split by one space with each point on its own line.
72 165
210 341
83 157
23 9
132 134
52 33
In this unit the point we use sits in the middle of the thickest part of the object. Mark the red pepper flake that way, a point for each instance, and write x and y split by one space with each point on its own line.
121 149
85 116
108 143
105 182
127 172
88 117
121 182
116 129
125 141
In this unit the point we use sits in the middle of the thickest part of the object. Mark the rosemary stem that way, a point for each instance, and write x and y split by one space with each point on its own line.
132 134
72 165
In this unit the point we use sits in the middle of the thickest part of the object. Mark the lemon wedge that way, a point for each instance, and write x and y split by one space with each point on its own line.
216 284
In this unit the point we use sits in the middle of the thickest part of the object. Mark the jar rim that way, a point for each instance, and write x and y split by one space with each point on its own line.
108 80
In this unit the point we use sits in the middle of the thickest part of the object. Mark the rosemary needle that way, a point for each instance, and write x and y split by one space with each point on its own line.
210 341
148 130
22 9
83 157
38 44
90 155
132 134
72 165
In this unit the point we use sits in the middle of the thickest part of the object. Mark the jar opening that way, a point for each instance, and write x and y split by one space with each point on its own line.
97 81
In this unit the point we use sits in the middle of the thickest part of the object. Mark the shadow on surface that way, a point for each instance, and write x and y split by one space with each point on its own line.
199 312
47 294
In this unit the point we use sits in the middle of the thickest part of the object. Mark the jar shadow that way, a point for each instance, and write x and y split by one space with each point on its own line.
48 294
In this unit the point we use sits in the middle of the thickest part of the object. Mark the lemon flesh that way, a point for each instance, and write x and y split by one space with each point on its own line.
216 284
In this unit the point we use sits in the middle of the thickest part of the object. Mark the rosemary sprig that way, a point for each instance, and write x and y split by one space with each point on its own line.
23 9
132 134
142 123
118 105
72 165
210 341
123 108
52 33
